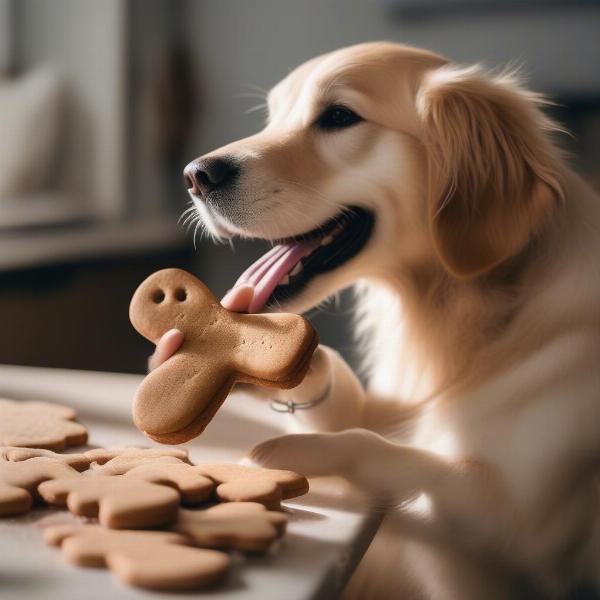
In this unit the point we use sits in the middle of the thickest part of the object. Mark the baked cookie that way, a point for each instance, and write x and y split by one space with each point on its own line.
177 400
193 487
155 560
116 461
237 483
245 526
22 470
118 501
80 461
122 464
39 425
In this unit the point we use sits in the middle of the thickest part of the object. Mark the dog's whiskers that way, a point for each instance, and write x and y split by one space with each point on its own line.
198 225
187 212
257 107
249 95
188 220
258 89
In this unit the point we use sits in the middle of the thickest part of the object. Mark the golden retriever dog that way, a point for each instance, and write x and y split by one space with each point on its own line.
438 191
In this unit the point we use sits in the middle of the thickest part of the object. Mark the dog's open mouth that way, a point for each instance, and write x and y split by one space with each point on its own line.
291 264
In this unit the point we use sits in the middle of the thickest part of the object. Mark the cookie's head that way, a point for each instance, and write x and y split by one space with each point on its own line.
167 299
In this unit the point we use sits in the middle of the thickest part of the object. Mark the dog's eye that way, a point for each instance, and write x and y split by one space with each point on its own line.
337 117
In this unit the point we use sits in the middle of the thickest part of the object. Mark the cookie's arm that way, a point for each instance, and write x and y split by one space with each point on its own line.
273 350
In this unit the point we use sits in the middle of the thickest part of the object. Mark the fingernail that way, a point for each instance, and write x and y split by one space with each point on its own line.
237 289
238 298
172 331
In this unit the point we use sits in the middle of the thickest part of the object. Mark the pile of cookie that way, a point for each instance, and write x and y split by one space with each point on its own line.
153 518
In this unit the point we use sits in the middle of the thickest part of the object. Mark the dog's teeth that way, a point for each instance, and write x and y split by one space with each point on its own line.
297 269
285 280
327 240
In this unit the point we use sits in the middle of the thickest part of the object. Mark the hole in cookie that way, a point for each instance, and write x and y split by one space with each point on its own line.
158 296
180 295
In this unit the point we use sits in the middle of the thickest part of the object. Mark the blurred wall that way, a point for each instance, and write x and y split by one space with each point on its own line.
85 40
259 42
5 36
238 45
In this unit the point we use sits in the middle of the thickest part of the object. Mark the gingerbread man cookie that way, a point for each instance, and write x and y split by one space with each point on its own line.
22 471
39 425
193 487
237 483
245 526
118 501
156 560
123 459
178 399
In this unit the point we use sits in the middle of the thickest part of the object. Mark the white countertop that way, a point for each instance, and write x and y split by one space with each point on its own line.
325 539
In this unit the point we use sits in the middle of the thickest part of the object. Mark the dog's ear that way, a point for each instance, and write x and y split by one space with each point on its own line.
493 172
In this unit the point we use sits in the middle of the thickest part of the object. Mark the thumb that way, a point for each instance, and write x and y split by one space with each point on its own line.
168 344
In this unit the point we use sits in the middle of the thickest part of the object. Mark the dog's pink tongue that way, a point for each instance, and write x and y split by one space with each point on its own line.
263 276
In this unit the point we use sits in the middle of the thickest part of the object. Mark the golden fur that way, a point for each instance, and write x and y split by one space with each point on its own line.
478 312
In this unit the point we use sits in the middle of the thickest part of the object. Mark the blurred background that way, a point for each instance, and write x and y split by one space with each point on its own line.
102 103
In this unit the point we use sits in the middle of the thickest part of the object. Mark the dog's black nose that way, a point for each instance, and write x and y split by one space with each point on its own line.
204 175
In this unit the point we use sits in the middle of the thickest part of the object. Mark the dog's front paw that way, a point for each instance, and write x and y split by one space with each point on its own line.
309 454
312 387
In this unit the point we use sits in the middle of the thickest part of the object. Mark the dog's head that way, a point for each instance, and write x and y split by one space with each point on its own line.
374 157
